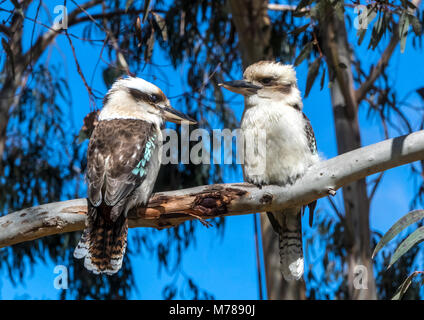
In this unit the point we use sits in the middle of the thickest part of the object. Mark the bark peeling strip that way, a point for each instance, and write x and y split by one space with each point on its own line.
216 203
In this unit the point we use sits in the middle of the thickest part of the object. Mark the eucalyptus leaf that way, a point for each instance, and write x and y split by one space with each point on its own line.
372 13
377 32
149 46
302 4
162 25
138 32
301 13
146 9
300 29
403 30
128 4
361 34
312 74
416 24
416 237
404 286
304 53
401 224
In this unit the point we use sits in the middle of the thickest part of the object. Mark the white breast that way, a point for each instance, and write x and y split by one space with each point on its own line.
287 154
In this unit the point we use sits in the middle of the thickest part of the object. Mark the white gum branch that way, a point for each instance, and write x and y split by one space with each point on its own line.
169 209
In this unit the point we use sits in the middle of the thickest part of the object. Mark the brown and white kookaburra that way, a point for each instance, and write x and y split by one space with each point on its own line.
123 161
273 106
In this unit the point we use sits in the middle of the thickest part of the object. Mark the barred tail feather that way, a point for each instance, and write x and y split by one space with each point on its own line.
291 256
290 243
103 243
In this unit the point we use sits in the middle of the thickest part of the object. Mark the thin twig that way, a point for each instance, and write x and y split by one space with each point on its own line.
32 33
90 92
376 184
336 210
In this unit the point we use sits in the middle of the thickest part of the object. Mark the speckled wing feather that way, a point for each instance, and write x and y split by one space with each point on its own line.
117 157
115 150
313 147
310 135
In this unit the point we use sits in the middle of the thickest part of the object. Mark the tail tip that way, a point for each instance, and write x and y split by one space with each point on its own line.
80 251
294 271
109 269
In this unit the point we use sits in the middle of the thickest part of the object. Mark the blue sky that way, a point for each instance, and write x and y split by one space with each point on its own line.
226 267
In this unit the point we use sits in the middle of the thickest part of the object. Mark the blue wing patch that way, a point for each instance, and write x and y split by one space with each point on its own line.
140 169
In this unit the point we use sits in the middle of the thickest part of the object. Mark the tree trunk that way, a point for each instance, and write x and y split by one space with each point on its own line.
361 282
253 28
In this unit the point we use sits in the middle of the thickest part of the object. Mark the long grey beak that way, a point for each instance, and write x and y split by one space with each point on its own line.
243 87
170 114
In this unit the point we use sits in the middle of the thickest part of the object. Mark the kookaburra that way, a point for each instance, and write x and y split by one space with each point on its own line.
123 161
273 105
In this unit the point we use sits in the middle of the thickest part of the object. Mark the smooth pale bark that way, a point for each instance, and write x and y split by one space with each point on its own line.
345 109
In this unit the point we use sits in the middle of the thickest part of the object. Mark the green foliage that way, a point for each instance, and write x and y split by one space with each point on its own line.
327 245
312 74
414 238
404 222
400 292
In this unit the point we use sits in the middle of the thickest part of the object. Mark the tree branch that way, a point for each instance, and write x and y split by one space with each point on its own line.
169 209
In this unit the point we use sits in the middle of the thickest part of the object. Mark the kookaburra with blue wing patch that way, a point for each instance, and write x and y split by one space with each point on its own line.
123 161
273 105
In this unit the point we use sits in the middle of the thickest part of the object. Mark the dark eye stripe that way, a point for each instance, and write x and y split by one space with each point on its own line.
142 96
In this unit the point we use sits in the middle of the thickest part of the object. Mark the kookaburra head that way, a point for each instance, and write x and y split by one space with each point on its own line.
136 98
267 80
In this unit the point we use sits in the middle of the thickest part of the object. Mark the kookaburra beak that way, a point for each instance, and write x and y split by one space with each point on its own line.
172 115
243 87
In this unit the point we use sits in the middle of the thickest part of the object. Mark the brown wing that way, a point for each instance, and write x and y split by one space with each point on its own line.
313 147
310 135
115 150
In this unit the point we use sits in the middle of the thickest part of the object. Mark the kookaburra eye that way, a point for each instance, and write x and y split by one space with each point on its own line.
266 80
154 97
